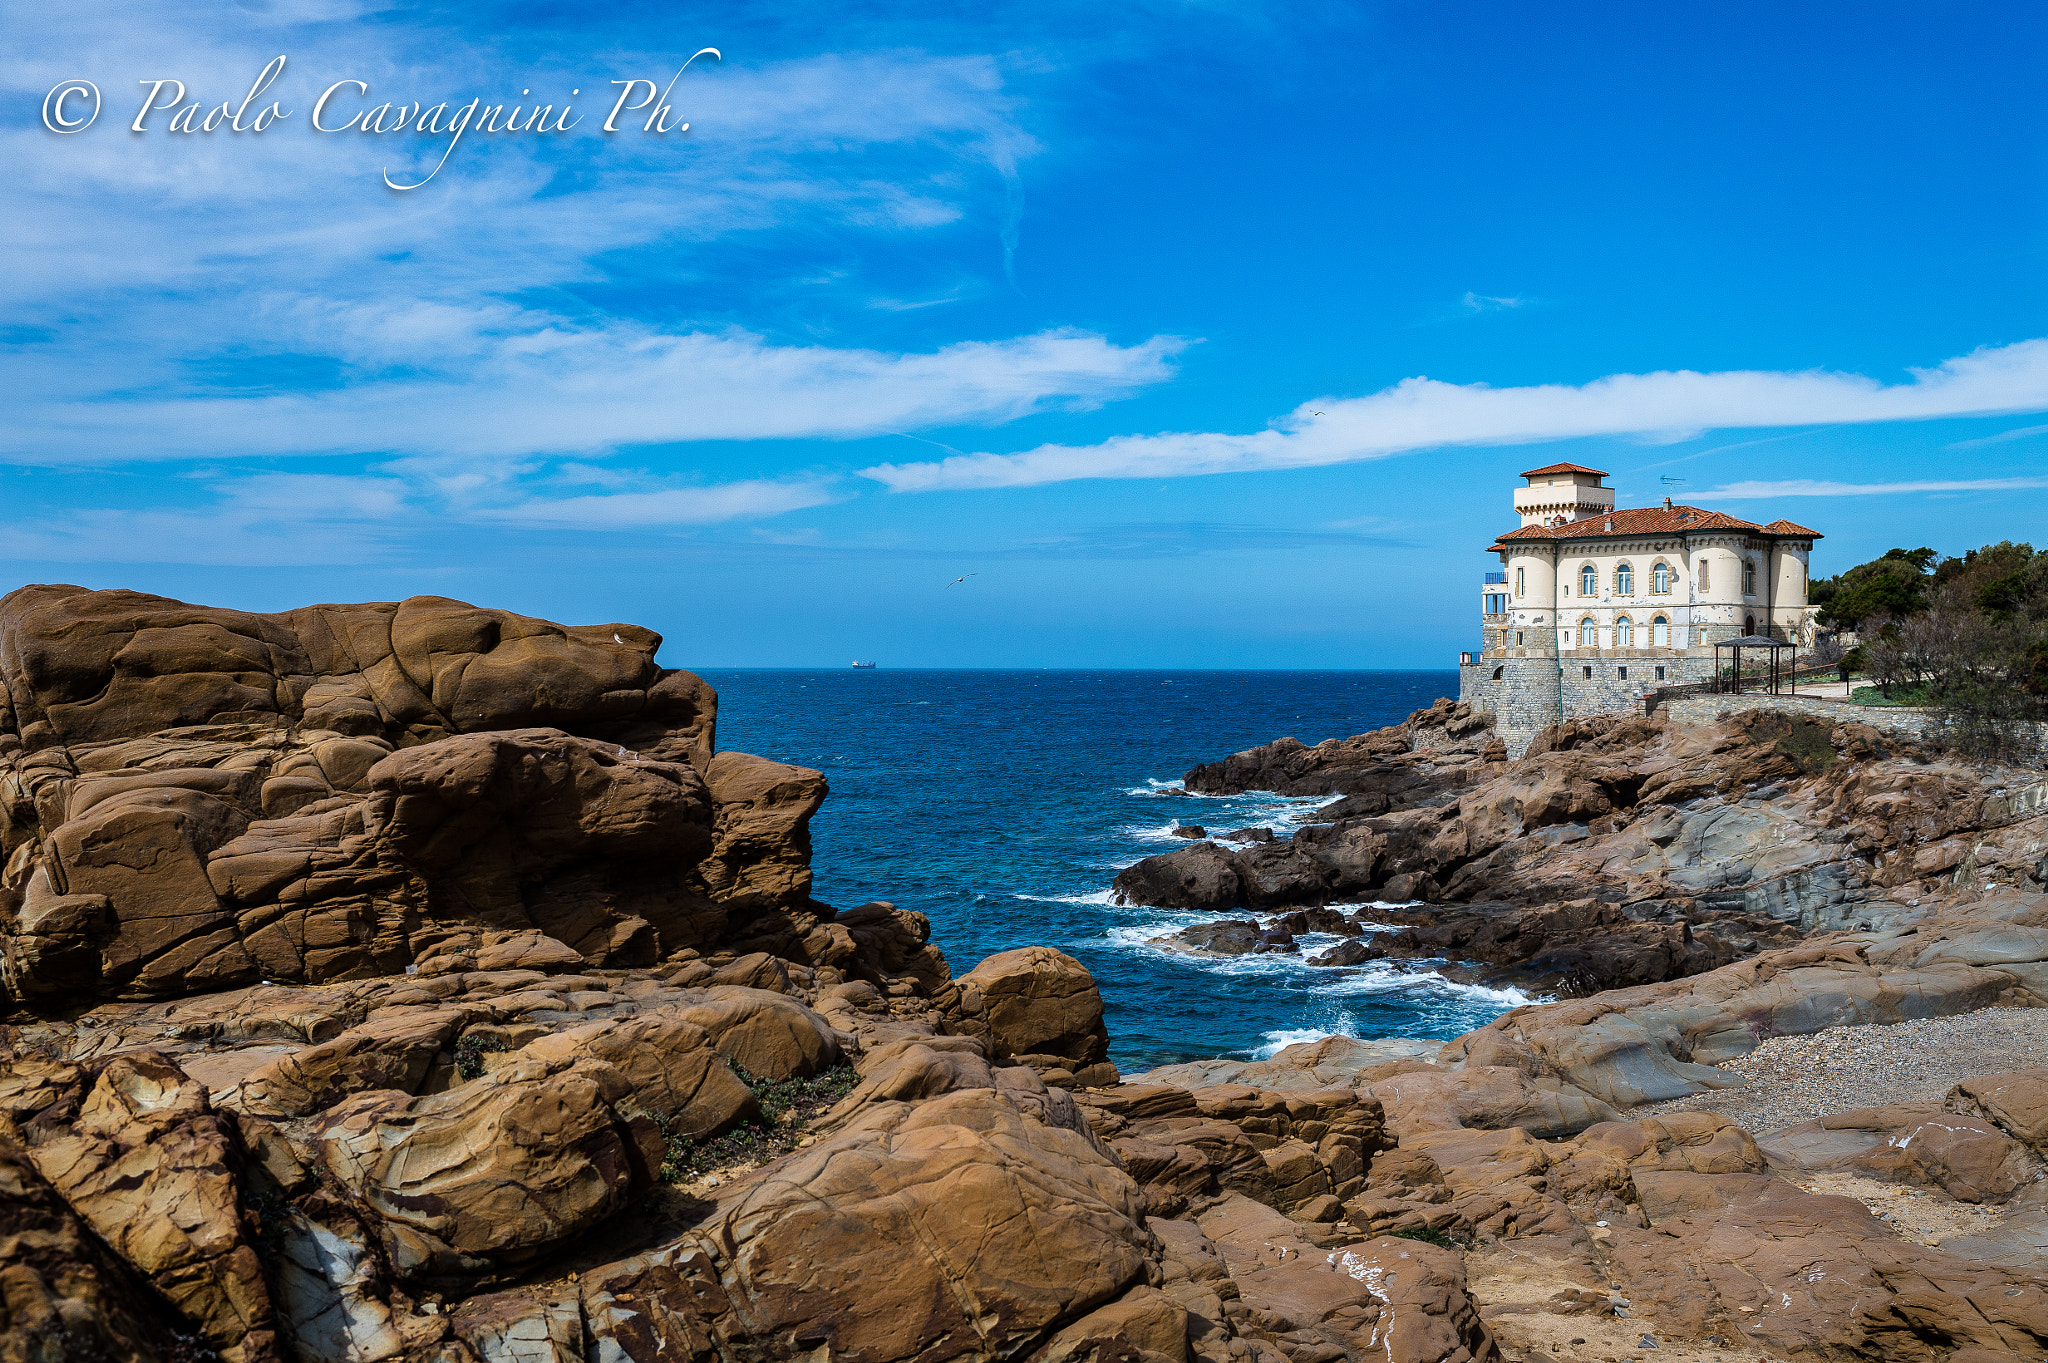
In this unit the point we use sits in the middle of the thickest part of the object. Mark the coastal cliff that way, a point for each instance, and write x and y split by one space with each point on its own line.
417 981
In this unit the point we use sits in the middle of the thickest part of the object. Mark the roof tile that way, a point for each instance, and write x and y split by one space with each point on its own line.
1653 520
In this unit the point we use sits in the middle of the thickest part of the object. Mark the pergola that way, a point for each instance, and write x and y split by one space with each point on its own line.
1754 641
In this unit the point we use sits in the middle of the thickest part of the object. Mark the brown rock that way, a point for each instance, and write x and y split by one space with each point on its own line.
2017 1102
394 1050
673 1069
1001 1230
766 1034
156 1175
489 1173
63 1297
1035 1001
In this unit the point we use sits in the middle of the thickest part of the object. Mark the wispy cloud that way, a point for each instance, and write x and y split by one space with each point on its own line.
1422 413
2018 433
513 384
746 500
1810 487
1479 302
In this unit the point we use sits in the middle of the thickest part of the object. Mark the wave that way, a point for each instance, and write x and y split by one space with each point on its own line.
1280 1040
1098 897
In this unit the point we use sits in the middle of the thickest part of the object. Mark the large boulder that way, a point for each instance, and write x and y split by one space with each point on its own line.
1035 1001
1000 1230
488 1174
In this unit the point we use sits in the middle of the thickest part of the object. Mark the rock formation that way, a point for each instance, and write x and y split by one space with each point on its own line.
417 983
1620 850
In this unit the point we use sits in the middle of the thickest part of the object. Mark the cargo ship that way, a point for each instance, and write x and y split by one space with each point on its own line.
858 663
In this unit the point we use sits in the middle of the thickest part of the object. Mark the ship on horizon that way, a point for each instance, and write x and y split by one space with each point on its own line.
858 663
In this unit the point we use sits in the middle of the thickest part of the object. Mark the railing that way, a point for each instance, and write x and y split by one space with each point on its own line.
1496 579
1467 659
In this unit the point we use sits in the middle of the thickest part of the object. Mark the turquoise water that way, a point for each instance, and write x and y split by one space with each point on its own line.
1002 804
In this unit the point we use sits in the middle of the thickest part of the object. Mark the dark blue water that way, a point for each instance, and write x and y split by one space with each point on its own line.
1002 804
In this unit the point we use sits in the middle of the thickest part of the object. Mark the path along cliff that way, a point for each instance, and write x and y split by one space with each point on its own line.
416 981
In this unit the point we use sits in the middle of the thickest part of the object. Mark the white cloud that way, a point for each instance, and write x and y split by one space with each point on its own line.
746 500
1422 413
1809 487
547 387
1479 302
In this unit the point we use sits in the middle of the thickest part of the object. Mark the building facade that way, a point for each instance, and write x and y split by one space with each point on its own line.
1594 607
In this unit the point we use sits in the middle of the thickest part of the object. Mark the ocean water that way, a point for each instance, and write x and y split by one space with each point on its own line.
1002 805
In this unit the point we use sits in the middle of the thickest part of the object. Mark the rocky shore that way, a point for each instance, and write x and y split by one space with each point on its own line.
415 981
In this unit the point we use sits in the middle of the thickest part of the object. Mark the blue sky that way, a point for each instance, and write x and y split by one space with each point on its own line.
1201 334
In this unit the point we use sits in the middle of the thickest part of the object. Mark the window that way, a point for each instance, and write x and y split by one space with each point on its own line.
1589 581
1703 575
1625 580
1497 671
1660 632
1660 674
1660 579
1589 634
1589 674
1518 638
1623 672
1624 633
1519 580
1749 579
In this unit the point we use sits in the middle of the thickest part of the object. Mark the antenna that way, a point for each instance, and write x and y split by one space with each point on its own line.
1669 481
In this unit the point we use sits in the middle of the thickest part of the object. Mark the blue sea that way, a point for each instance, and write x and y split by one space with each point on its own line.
1002 805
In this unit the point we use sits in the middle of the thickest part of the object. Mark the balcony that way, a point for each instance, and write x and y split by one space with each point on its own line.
1496 579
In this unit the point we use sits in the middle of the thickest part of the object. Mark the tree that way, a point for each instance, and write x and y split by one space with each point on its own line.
1889 588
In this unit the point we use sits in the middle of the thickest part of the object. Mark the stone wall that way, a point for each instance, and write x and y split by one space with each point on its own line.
1530 695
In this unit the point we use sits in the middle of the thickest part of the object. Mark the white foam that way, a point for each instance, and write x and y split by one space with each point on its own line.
1278 1041
1098 897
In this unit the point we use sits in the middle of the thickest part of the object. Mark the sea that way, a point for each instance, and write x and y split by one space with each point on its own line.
1002 804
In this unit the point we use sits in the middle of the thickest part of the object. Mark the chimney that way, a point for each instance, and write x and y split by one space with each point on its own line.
1667 503
1610 525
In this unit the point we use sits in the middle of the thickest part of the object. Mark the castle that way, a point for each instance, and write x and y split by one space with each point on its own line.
1593 608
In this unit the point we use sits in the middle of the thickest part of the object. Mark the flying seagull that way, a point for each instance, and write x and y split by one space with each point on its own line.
958 580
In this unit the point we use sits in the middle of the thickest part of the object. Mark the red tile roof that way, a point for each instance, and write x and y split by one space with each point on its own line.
1563 468
1653 520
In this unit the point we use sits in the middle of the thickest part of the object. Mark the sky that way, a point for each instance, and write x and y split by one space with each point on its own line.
1193 334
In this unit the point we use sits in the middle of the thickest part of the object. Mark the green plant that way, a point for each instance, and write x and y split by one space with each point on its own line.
1428 1237
469 1052
787 1107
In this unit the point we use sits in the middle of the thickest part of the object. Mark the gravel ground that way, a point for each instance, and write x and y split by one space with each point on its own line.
1793 1079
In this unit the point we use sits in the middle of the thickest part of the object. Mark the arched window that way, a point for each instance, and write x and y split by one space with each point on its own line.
1624 633
1703 575
1589 581
1660 632
1518 580
1749 579
1589 633
1660 579
1749 624
1625 580
1497 672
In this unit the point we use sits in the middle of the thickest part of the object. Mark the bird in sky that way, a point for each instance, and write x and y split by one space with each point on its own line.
1315 413
958 580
